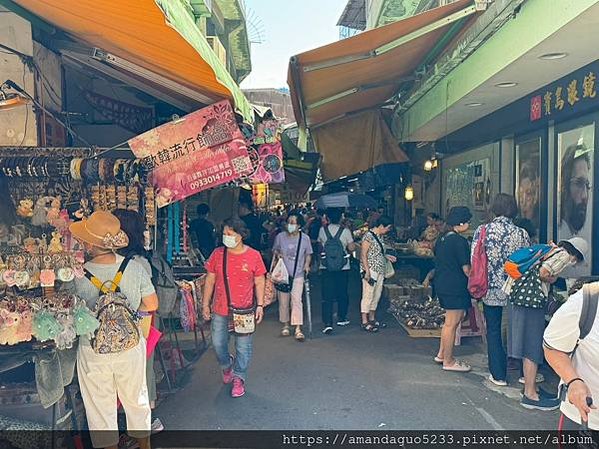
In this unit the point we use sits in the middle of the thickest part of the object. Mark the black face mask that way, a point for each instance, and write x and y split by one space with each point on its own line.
577 216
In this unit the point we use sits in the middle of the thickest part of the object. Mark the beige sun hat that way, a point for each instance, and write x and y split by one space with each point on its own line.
101 229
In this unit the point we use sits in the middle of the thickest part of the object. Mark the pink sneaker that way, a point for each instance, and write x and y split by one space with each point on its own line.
238 388
228 376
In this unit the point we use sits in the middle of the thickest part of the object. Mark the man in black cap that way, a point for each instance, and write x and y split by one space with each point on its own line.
452 268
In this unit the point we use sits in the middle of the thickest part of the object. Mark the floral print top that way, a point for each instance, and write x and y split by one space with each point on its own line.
502 240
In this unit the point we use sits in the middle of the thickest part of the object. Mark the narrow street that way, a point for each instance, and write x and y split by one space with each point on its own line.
349 381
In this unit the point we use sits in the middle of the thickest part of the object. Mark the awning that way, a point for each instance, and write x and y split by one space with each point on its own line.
159 36
355 144
366 70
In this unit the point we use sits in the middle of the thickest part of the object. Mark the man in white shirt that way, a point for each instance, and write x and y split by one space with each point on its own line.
334 283
579 373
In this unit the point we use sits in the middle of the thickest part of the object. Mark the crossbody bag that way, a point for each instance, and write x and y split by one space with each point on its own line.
243 320
389 270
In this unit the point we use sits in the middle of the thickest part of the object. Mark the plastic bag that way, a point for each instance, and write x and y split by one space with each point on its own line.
279 274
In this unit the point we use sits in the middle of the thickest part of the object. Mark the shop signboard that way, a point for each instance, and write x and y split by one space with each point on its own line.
197 152
571 95
268 154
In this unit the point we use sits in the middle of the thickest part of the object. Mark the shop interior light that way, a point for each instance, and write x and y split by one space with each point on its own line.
10 100
409 193
553 56
428 165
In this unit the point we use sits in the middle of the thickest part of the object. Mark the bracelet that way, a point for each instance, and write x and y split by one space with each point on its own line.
574 380
260 305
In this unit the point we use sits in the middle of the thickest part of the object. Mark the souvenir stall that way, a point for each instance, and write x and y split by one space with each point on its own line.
43 191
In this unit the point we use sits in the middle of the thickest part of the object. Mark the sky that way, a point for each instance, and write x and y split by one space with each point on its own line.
290 27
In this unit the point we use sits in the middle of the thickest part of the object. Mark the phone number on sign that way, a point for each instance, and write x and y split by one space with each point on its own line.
208 180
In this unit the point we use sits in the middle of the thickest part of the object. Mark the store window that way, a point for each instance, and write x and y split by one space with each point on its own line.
528 183
574 196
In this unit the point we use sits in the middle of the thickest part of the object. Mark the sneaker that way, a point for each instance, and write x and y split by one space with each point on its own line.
157 426
238 388
228 376
541 404
499 383
327 330
543 394
540 379
343 323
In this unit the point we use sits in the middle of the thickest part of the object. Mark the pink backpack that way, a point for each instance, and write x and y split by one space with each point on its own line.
478 282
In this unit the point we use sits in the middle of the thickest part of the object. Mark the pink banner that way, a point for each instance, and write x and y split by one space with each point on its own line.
202 150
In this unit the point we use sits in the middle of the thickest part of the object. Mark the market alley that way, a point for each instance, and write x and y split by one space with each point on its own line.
349 380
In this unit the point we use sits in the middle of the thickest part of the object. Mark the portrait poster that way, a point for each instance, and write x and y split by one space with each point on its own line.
528 182
200 151
574 191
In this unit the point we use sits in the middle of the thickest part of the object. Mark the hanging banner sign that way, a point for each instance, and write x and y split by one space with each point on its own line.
267 153
202 150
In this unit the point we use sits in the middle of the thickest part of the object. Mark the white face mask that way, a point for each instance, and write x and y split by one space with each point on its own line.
229 241
292 228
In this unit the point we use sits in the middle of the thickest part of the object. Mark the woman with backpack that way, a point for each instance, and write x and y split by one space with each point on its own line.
114 362
374 267
528 297
294 247
452 268
500 238
132 224
234 301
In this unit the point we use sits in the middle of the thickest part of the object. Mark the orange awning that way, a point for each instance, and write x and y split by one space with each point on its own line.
161 39
366 70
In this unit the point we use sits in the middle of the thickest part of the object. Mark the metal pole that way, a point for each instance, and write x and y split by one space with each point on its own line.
308 305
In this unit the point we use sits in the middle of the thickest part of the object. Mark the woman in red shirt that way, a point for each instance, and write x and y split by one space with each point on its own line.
245 277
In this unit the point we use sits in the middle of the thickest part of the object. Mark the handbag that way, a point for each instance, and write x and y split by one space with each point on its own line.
528 290
389 270
285 287
270 295
478 281
243 320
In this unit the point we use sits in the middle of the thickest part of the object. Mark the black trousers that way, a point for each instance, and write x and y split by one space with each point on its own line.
495 349
334 288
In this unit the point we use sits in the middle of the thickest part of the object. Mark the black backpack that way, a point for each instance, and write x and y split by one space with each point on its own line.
334 251
588 314
163 279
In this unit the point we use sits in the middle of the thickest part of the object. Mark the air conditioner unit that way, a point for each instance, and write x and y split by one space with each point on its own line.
218 48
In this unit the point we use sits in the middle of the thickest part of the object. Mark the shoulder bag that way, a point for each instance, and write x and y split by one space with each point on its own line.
286 287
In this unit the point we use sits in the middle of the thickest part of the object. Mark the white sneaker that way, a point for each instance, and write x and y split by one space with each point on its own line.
327 330
499 383
343 323
540 379
157 426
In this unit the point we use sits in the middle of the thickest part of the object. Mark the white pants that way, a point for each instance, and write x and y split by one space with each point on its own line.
297 309
103 378
371 294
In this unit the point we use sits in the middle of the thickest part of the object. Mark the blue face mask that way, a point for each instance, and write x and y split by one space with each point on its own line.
292 228
229 241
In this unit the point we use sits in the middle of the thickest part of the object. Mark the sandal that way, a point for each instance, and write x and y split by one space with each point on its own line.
299 336
458 366
380 325
438 360
370 327
285 332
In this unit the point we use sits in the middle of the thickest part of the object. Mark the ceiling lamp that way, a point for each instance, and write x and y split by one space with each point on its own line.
553 56
409 193
10 100
506 85
474 105
428 165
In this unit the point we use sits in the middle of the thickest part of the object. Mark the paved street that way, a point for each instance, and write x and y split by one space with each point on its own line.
350 380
